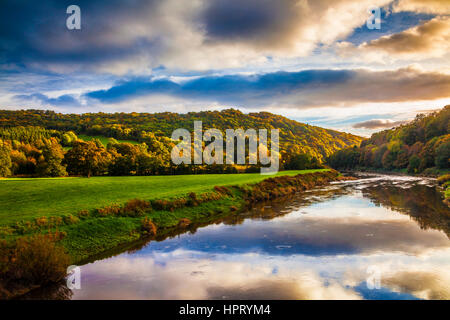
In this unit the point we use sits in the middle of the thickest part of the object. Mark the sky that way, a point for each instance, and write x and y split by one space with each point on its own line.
314 61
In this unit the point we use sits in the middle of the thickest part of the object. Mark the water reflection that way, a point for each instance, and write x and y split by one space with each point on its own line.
314 246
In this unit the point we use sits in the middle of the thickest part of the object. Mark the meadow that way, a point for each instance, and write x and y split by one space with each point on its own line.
29 198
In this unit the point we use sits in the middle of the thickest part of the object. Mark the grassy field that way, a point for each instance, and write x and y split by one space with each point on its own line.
103 139
28 198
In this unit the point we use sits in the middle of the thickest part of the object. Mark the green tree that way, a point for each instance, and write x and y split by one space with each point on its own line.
68 138
87 159
5 160
442 155
414 164
50 163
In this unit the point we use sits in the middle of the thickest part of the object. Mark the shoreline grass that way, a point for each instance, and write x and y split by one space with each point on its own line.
29 198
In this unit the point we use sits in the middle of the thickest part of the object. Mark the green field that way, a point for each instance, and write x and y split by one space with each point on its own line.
28 198
103 139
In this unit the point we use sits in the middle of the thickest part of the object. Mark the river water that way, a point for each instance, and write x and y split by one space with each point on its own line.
379 237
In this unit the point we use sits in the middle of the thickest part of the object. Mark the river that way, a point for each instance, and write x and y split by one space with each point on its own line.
378 237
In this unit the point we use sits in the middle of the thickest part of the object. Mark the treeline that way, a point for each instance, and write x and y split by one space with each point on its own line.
417 146
295 138
38 152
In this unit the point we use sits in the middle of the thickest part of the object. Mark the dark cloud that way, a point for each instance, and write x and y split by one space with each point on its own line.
229 88
35 34
377 124
291 89
63 100
250 20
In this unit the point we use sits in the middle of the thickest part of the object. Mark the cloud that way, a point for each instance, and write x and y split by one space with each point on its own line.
428 40
137 36
432 37
185 274
425 284
303 89
377 124
423 6
63 100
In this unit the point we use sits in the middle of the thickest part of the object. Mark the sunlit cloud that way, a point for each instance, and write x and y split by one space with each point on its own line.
426 6
378 124
429 40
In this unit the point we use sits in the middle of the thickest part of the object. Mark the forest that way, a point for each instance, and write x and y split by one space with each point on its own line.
420 146
39 143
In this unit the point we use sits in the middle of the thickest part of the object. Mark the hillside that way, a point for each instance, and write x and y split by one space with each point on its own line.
421 146
295 137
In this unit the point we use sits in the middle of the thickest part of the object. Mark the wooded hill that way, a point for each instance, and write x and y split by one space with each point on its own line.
295 137
420 145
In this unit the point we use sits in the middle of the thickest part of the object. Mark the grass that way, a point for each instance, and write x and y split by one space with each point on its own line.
29 198
103 139
95 235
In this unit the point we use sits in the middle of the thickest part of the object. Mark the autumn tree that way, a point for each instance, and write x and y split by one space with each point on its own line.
50 162
5 160
87 159
68 138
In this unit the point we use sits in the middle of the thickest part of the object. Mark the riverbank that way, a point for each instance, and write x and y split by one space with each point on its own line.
444 182
434 173
442 177
89 233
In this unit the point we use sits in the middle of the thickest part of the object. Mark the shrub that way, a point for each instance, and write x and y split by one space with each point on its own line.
70 219
211 196
148 226
5 230
169 205
5 256
55 221
37 260
184 222
135 207
109 210
192 200
42 221
443 179
222 189
83 214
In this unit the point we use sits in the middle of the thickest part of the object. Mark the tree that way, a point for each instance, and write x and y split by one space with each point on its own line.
111 143
87 159
5 160
68 138
414 164
442 155
50 163
345 158
124 158
388 159
402 160
147 164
